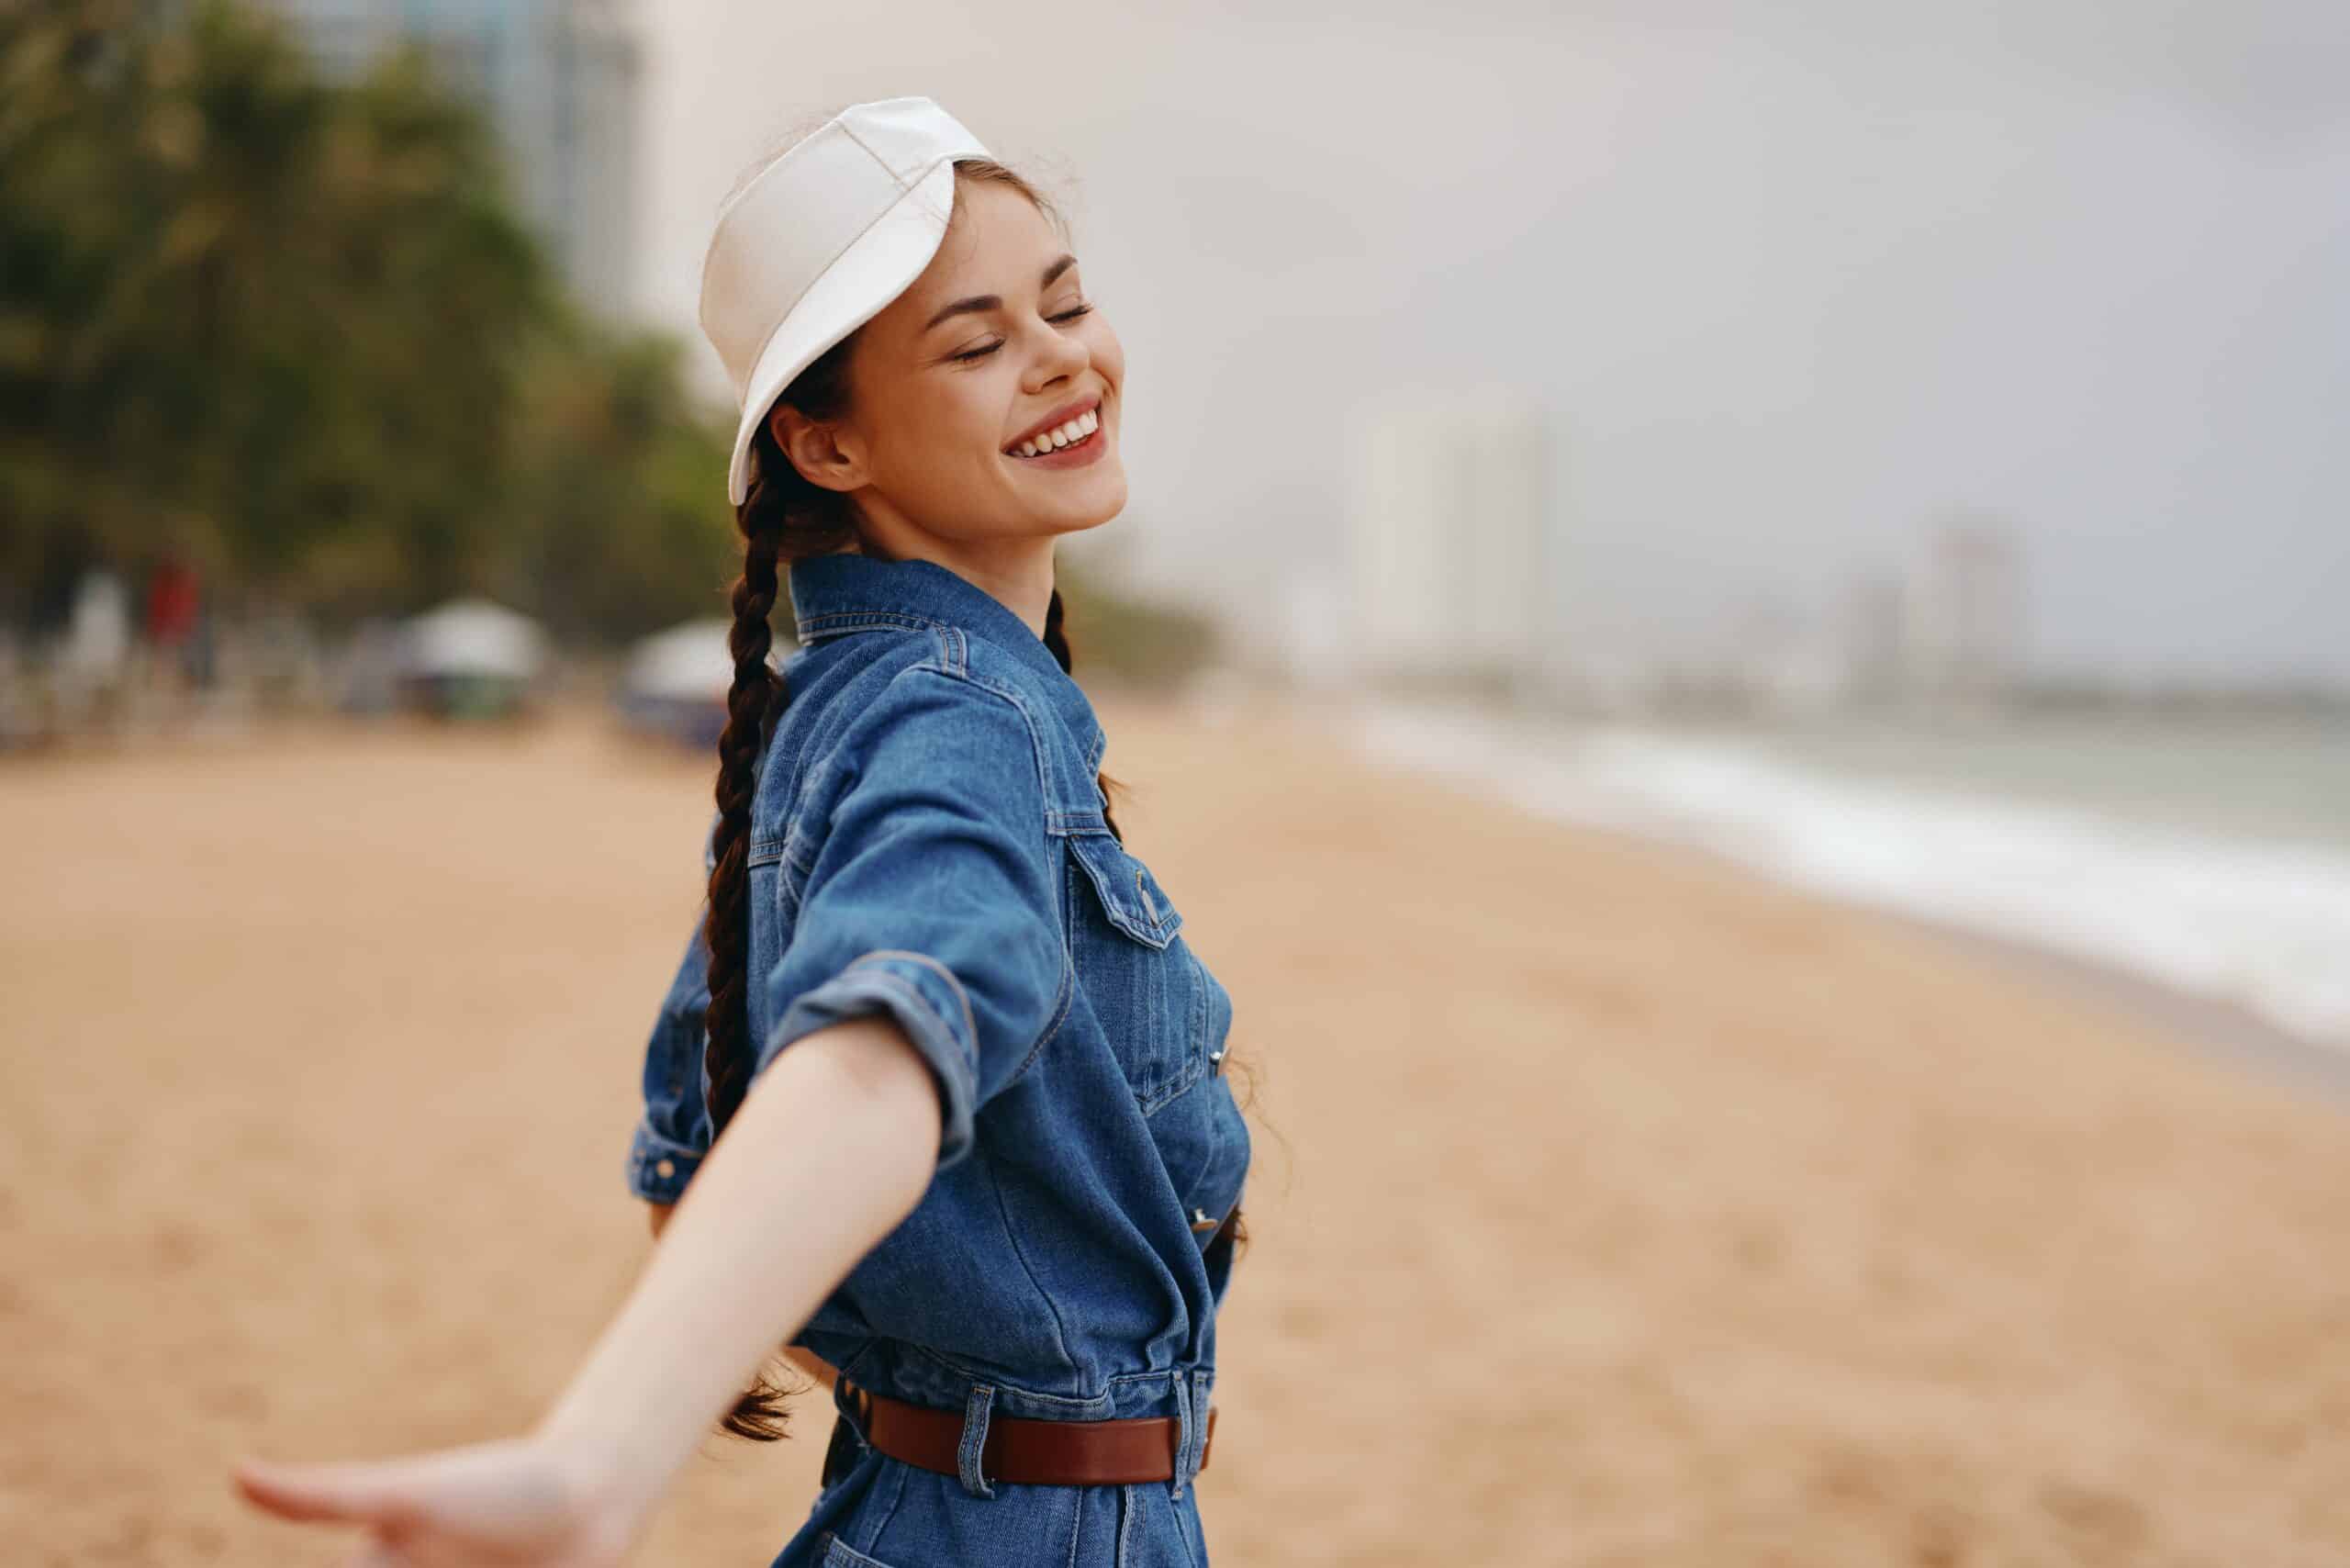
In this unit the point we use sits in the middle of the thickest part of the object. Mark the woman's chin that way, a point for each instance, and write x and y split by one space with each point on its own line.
1088 498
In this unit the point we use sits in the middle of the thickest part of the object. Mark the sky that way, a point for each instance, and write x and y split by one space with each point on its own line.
1794 283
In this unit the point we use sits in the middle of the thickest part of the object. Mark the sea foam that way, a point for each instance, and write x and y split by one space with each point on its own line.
2263 925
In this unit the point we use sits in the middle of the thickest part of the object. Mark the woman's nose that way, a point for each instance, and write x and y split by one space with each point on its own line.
1063 355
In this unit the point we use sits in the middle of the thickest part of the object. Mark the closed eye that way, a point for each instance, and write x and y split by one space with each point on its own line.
991 348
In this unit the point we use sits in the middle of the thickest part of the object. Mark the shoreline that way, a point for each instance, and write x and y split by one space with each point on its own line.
2223 1031
2227 1032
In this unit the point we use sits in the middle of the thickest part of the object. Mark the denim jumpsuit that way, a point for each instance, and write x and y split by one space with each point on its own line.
927 843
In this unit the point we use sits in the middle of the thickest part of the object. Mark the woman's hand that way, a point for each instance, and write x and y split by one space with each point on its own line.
495 1505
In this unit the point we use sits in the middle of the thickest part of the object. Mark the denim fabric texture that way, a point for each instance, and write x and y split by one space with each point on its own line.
927 843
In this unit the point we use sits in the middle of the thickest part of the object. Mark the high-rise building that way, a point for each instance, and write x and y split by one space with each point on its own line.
562 81
1963 616
1873 631
1453 579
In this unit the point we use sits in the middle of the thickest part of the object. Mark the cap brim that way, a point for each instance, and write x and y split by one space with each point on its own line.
876 267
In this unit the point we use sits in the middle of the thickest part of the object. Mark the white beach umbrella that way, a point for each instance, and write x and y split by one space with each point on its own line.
687 663
472 637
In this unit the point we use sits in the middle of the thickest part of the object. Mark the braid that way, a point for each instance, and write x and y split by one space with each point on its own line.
727 1054
1056 642
783 518
759 1413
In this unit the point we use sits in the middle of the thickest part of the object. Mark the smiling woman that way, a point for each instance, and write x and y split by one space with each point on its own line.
994 345
937 1090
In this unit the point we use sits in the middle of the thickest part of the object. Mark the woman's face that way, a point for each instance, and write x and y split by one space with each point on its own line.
995 337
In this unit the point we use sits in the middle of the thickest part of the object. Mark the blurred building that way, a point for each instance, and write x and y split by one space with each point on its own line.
1875 649
1962 615
1453 575
563 82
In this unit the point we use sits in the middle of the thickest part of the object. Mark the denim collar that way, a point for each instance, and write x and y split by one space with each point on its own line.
834 594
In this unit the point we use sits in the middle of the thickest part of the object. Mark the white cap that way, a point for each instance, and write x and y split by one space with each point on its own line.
821 241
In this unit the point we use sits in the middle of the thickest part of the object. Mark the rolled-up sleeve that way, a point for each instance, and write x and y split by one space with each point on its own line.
672 1135
930 900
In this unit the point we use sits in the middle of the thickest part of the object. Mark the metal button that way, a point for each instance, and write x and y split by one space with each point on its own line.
665 1168
1200 1220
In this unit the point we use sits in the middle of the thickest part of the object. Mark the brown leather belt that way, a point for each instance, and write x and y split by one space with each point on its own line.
1026 1452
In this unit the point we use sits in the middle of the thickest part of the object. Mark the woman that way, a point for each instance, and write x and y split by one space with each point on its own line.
983 1158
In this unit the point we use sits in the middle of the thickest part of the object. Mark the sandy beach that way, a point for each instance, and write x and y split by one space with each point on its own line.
1610 1207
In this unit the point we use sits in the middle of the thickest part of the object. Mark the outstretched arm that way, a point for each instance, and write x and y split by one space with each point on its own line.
834 1144
807 1360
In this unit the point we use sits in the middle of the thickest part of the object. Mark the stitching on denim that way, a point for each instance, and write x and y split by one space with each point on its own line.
1190 1068
833 622
1012 1232
1076 1521
1190 1077
970 1026
1159 1374
651 1137
1036 757
1183 1534
1181 1387
977 1406
897 1500
1106 878
1202 1389
1094 1402
908 1350
839 1551
1126 1509
1196 1044
853 1368
1062 1004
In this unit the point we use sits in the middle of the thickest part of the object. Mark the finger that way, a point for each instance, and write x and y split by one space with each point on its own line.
358 1491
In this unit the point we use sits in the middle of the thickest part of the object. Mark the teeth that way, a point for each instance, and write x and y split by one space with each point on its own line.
1053 440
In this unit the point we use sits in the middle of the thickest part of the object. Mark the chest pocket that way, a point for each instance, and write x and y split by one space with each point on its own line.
1144 982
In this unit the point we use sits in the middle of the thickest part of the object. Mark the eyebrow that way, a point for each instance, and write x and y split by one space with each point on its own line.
995 301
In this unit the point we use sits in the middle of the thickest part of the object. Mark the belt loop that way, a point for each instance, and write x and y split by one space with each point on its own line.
1182 1387
975 1437
849 1400
1202 1384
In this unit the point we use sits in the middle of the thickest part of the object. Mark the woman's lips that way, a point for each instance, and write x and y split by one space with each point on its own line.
1077 456
1060 417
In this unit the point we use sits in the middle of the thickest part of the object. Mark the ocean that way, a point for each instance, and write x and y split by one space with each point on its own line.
2211 856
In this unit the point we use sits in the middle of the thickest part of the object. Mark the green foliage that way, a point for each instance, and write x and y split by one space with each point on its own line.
294 331
1142 641
622 524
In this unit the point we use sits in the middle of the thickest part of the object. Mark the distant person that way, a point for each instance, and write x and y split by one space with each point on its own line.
171 617
987 1164
93 658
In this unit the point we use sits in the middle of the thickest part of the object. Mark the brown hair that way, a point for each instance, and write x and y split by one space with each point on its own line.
786 518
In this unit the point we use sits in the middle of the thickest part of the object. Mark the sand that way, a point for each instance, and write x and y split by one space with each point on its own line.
1609 1208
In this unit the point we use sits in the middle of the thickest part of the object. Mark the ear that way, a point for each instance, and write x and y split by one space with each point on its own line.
825 453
